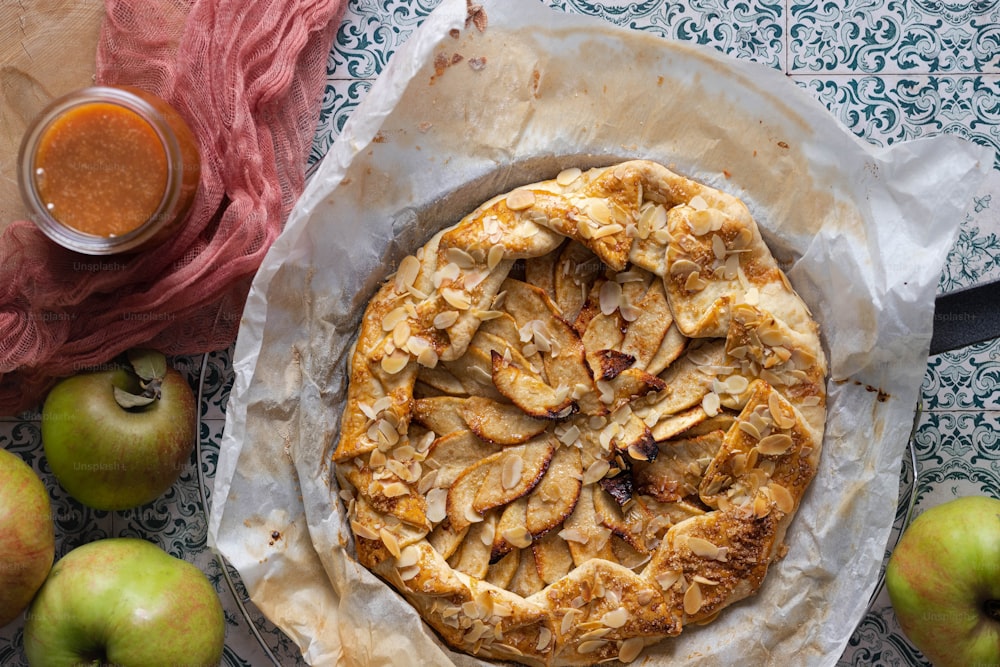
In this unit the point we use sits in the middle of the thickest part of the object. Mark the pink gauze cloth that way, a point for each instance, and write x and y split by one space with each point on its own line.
248 76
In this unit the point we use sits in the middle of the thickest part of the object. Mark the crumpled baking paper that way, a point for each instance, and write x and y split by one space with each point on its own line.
470 109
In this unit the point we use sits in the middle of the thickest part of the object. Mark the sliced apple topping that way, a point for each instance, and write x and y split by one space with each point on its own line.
500 423
513 473
528 392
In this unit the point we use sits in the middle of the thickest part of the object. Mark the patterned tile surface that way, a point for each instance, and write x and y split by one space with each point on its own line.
889 70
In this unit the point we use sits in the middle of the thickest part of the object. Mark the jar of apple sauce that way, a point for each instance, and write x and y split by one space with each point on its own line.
107 170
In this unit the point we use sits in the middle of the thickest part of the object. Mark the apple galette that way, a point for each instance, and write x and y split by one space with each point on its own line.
581 418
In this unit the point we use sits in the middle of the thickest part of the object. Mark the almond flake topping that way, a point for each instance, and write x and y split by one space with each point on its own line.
390 542
567 176
775 444
519 200
693 599
616 618
630 649
406 274
456 298
513 465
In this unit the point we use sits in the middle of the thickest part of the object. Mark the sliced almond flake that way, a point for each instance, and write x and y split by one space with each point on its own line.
608 230
401 333
711 404
390 542
470 609
407 557
544 638
382 404
448 272
456 298
567 176
518 537
811 401
719 248
574 535
395 490
702 548
445 319
520 199
590 646
650 219
596 471
694 282
363 531
731 268
616 618
398 468
367 410
667 579
513 466
388 431
704 580
775 444
736 384
408 573
437 505
698 203
607 392
781 418
683 267
428 358
630 649
598 633
393 318
598 211
782 497
610 297
693 599
495 256
472 516
427 482
743 239
395 362
569 435
771 336
460 257
406 273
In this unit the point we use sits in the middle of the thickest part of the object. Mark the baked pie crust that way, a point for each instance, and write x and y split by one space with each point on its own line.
582 418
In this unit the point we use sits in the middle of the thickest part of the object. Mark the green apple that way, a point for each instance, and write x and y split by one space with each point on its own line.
124 601
27 535
119 438
943 579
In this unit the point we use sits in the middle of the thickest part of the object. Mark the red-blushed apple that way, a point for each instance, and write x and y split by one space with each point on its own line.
119 438
27 535
943 579
124 601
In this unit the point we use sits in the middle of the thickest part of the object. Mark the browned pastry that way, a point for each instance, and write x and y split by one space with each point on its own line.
582 418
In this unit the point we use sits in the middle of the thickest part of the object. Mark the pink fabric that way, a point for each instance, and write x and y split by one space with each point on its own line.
248 76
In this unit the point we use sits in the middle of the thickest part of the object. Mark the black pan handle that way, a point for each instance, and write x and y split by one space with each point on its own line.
966 317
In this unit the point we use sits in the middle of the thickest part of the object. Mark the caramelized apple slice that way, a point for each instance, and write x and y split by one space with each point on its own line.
451 454
556 495
679 468
440 414
513 473
500 423
529 393
575 272
553 559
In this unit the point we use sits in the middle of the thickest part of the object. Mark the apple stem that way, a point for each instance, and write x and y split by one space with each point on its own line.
992 609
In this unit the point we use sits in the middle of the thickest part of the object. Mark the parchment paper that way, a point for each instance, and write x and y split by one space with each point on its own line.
462 114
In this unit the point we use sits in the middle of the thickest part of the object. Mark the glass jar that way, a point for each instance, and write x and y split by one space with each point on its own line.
107 170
